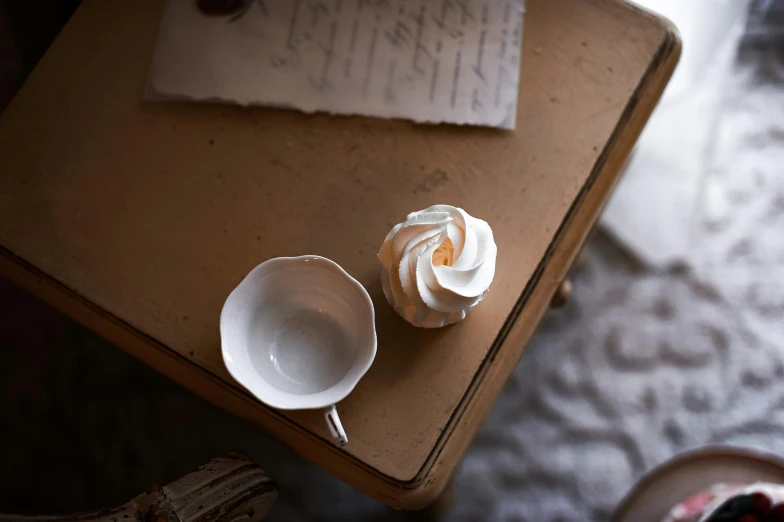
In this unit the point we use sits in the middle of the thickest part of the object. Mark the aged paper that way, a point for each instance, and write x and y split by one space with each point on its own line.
453 61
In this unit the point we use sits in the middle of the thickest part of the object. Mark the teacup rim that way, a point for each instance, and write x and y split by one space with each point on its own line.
344 387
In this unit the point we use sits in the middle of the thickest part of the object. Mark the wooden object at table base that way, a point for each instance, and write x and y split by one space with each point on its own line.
138 219
226 489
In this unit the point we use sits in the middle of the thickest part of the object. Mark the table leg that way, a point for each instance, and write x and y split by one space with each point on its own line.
441 505
562 294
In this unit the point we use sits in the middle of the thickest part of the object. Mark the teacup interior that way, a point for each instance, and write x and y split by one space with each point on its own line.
308 326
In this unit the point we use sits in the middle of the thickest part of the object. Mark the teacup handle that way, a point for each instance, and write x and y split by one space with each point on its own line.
334 425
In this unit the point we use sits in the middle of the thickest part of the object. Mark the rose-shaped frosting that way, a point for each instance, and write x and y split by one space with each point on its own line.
437 265
774 492
702 506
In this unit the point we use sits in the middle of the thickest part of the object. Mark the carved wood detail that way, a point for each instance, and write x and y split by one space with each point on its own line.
230 488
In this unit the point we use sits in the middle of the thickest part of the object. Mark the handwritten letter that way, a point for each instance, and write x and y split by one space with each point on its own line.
454 61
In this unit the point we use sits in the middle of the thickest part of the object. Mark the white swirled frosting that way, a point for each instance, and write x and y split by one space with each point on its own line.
437 265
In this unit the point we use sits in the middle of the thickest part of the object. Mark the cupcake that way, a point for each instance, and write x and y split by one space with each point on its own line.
437 265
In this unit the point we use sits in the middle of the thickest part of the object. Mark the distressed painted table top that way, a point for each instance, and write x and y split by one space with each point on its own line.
138 218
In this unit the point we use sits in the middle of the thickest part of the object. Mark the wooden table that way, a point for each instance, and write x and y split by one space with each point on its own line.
138 219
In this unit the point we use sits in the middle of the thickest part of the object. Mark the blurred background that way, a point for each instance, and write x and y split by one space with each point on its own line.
674 337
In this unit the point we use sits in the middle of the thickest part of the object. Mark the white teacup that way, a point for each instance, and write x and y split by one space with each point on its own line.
299 333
